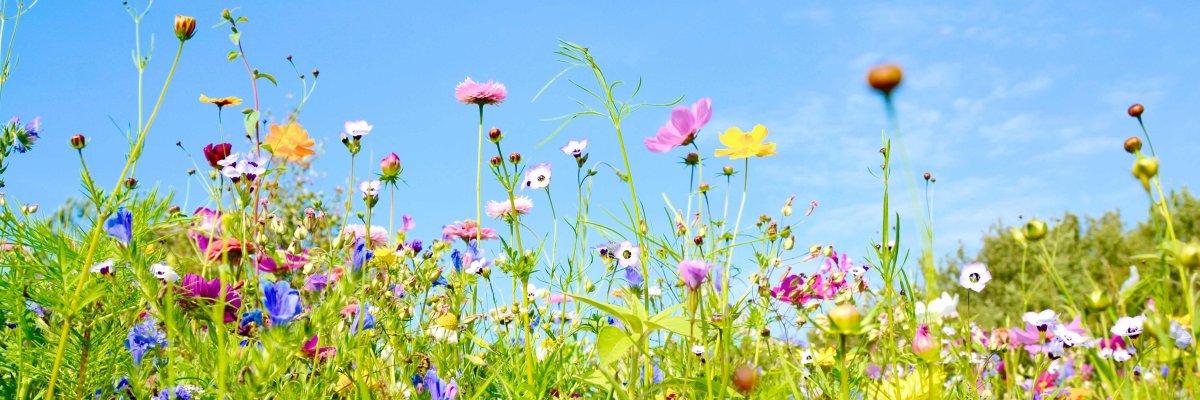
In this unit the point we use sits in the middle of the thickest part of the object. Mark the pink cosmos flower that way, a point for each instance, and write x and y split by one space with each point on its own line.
471 92
682 127
694 272
406 223
379 235
497 209
557 298
468 230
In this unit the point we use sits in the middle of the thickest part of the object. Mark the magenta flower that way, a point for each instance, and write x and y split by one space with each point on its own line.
314 352
199 290
682 128
694 272
481 93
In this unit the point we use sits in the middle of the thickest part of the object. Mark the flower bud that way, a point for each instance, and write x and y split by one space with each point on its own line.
316 73
1133 144
928 176
496 160
1144 169
78 142
923 345
131 183
1189 255
691 159
185 27
885 78
728 170
1136 110
1035 230
389 167
1099 300
514 158
494 135
744 378
789 243
845 318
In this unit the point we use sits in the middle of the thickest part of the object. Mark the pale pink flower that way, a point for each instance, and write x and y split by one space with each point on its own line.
682 128
557 298
471 92
356 129
575 147
406 223
378 233
468 230
497 209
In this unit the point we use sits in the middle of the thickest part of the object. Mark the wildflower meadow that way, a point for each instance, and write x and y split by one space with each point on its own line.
254 281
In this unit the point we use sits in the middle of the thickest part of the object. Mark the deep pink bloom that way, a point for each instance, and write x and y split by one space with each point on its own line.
471 92
291 262
313 352
468 230
682 128
694 272
923 344
198 290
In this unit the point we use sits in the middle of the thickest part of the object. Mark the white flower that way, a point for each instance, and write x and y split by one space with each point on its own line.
443 334
627 255
575 148
939 308
655 291
535 293
974 276
1122 355
1056 349
698 350
357 129
537 176
1129 326
369 188
104 267
163 271
1068 337
229 166
1131 281
1182 337
1041 320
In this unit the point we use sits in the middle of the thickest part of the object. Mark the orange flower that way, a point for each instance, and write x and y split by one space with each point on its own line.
290 142
220 101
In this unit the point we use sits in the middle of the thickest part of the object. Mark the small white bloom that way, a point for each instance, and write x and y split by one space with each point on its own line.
1182 337
537 176
974 276
698 349
535 293
575 148
369 188
104 267
1068 337
627 255
163 271
357 129
655 291
1042 320
1129 326
1122 355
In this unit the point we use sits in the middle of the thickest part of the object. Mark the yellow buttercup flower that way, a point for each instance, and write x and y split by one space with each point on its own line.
220 101
290 142
743 145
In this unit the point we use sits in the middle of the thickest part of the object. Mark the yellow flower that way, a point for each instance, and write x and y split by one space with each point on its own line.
290 142
220 101
742 145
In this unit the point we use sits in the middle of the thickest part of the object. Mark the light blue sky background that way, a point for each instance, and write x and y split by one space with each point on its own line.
1017 109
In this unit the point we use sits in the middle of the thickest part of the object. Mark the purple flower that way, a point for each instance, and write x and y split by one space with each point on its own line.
281 301
316 282
144 337
196 289
26 136
439 389
406 223
120 226
694 272
634 277
363 319
361 254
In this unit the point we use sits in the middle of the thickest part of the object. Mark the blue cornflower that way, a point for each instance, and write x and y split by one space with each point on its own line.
120 226
634 277
361 254
180 392
281 301
144 337
441 281
363 318
35 308
250 320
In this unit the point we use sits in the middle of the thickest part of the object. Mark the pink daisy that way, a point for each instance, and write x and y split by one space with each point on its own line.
468 230
497 209
682 127
471 92
378 233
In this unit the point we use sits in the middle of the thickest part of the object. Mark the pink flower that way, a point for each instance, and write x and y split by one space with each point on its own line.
682 127
407 223
378 234
557 298
315 352
471 92
468 230
389 167
923 344
497 209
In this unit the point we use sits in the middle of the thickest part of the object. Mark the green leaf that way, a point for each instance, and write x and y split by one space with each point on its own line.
251 121
624 314
675 324
233 55
267 77
611 344
235 37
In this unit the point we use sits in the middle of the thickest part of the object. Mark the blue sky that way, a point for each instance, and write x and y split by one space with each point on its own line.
1015 109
